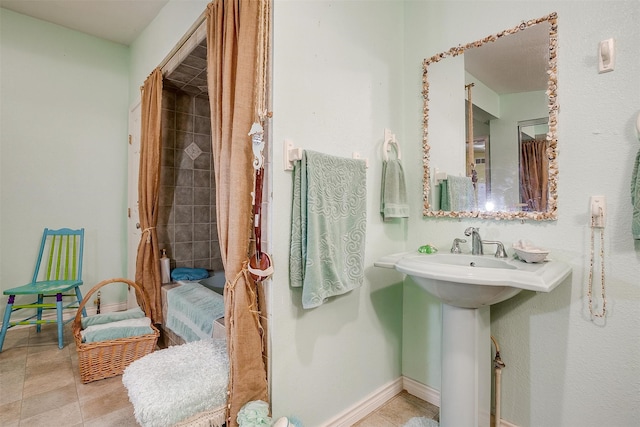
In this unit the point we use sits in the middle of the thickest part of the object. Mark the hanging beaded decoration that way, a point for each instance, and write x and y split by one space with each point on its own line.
589 291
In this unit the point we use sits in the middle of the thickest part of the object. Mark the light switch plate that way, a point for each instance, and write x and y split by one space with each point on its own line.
606 55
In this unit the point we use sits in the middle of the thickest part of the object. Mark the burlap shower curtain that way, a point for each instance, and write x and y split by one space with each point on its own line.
147 265
534 175
232 56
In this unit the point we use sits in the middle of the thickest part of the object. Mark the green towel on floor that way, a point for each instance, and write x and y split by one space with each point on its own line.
393 194
328 225
635 198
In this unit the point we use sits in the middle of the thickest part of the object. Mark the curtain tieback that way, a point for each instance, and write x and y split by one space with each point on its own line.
253 300
148 229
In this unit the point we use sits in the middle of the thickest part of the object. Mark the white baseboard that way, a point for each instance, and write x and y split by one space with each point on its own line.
422 391
382 395
355 413
504 423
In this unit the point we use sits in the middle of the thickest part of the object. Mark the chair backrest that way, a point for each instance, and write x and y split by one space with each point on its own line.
64 249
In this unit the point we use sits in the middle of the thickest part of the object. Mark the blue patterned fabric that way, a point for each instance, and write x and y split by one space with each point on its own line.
192 309
328 226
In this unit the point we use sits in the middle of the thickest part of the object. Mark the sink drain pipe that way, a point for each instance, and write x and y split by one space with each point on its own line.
497 368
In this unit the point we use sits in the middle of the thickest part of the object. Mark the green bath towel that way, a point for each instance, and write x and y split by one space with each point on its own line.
328 225
635 198
393 194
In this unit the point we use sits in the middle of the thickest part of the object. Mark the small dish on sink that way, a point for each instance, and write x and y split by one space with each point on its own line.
529 253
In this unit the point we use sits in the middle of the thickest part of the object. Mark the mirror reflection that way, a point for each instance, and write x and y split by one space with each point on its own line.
490 117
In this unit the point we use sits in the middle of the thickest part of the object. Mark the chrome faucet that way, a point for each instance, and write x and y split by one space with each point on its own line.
455 248
500 252
476 241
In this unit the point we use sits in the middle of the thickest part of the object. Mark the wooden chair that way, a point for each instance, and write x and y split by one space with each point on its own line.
62 275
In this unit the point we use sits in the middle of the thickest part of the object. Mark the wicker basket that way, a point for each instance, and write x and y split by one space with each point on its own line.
104 359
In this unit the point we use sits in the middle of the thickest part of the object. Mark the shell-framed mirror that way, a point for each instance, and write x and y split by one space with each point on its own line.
495 154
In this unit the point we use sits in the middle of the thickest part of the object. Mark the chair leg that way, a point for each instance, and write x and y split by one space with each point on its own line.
39 310
79 296
60 323
5 321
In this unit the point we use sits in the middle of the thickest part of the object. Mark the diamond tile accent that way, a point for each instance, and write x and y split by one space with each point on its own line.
193 151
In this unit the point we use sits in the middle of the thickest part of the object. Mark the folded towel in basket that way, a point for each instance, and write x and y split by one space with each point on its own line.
115 330
114 316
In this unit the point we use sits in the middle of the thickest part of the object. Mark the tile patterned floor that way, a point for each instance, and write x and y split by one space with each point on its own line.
40 386
397 411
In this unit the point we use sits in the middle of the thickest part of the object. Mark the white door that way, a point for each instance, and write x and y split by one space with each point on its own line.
133 221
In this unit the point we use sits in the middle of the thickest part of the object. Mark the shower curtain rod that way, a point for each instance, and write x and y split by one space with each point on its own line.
187 36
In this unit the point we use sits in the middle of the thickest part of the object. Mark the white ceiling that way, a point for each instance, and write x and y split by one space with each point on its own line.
119 21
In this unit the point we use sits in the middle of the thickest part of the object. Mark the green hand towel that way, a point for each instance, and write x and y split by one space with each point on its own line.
461 194
393 194
328 226
635 198
444 196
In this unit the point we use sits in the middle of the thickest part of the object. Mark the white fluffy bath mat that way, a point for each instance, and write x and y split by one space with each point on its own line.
179 383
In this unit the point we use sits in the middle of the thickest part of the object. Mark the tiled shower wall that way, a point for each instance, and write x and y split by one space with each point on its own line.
187 214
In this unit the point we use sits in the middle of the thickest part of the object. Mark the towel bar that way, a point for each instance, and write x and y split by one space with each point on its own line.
292 154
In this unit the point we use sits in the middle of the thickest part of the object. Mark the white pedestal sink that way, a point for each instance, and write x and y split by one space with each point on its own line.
467 285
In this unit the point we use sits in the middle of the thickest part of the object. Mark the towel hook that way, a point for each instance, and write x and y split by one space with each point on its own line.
390 139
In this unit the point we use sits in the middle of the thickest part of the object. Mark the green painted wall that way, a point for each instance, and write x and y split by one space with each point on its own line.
337 83
63 145
343 71
563 368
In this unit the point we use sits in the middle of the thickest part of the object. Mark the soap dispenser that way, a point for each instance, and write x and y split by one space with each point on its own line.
165 267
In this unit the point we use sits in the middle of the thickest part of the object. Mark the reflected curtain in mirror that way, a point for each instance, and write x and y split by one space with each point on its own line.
534 175
148 256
